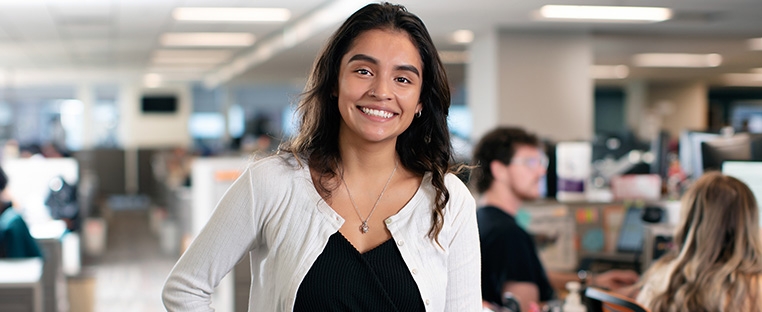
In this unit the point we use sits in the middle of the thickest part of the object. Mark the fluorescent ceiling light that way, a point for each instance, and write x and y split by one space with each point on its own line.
609 71
192 57
181 68
454 57
300 30
462 36
755 43
743 79
207 39
231 14
677 60
605 13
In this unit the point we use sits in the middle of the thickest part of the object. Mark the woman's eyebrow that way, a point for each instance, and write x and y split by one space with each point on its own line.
409 68
362 57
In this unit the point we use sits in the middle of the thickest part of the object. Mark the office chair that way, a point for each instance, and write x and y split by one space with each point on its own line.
599 300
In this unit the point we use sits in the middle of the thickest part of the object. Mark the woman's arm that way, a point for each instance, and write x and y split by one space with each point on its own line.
232 230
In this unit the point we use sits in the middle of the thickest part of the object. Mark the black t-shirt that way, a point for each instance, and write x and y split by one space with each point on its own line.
508 254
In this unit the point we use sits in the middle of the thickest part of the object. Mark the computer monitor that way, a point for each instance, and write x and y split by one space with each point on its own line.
631 233
660 151
658 240
738 147
749 172
690 151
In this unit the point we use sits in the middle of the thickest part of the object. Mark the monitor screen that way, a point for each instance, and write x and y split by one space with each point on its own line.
690 151
631 232
715 152
158 104
206 125
749 172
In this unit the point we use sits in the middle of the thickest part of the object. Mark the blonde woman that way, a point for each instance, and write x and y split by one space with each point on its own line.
717 261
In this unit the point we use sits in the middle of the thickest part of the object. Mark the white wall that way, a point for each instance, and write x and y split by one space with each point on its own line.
545 85
140 130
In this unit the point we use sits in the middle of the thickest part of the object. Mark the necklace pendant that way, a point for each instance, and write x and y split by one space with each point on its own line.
364 227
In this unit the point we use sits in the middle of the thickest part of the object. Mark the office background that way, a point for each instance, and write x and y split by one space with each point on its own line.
130 89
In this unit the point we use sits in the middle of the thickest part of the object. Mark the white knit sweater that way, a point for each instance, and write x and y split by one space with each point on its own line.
274 212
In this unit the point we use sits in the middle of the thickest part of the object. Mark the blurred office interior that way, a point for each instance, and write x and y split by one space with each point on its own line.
140 114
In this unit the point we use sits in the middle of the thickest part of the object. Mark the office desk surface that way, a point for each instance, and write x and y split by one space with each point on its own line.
21 285
17 272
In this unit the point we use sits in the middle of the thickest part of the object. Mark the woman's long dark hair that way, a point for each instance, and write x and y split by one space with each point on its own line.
424 146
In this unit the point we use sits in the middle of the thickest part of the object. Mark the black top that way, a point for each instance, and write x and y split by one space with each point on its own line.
343 279
508 254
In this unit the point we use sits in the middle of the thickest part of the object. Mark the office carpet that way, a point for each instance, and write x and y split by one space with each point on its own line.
130 274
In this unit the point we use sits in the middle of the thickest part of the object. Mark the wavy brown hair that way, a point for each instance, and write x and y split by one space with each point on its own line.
423 147
718 256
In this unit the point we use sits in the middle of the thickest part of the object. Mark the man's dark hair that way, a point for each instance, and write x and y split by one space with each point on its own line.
3 180
499 144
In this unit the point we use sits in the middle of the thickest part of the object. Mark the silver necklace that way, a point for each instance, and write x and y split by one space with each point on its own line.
364 227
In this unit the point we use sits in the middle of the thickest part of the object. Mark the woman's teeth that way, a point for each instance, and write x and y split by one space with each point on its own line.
376 112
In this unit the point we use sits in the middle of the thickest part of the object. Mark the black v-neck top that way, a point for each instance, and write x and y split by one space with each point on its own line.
343 279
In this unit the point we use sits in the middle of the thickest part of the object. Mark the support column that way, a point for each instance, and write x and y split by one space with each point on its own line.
680 106
86 95
482 82
636 108
535 80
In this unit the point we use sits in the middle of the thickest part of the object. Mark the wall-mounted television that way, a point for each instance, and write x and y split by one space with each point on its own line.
158 104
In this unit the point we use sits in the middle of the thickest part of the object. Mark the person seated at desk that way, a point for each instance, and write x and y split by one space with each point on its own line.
15 239
508 167
716 263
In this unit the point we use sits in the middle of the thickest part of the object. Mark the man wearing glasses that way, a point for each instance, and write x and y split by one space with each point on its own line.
509 165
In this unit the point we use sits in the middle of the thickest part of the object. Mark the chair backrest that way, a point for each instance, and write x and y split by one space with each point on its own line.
599 300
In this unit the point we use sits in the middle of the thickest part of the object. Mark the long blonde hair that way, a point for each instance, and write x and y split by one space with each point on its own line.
718 256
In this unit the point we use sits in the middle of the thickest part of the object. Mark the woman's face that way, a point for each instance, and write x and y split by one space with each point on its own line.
379 86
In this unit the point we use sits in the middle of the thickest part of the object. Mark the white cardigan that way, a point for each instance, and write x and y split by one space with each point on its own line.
274 212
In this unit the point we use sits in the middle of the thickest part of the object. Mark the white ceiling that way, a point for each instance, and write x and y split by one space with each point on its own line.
60 41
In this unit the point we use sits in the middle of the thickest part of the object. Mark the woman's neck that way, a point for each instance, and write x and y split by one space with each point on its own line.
367 159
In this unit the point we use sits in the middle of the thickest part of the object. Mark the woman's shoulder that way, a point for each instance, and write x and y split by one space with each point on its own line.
455 185
278 167
282 161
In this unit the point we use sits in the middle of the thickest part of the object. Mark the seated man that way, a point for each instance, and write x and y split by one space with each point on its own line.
509 166
15 239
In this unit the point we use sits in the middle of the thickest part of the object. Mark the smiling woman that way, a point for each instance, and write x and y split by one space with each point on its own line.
360 211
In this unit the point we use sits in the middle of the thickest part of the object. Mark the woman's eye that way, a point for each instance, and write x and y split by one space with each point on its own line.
403 80
363 71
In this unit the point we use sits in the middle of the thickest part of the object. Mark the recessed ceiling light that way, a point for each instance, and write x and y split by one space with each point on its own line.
677 60
231 14
590 13
755 43
152 80
609 71
207 39
462 36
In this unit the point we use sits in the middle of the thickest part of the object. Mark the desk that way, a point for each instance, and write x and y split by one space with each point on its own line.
17 277
52 240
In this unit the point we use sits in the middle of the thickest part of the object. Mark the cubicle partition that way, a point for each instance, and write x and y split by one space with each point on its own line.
594 235
29 183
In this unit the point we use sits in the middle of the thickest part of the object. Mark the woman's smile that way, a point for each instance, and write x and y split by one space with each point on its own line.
380 113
